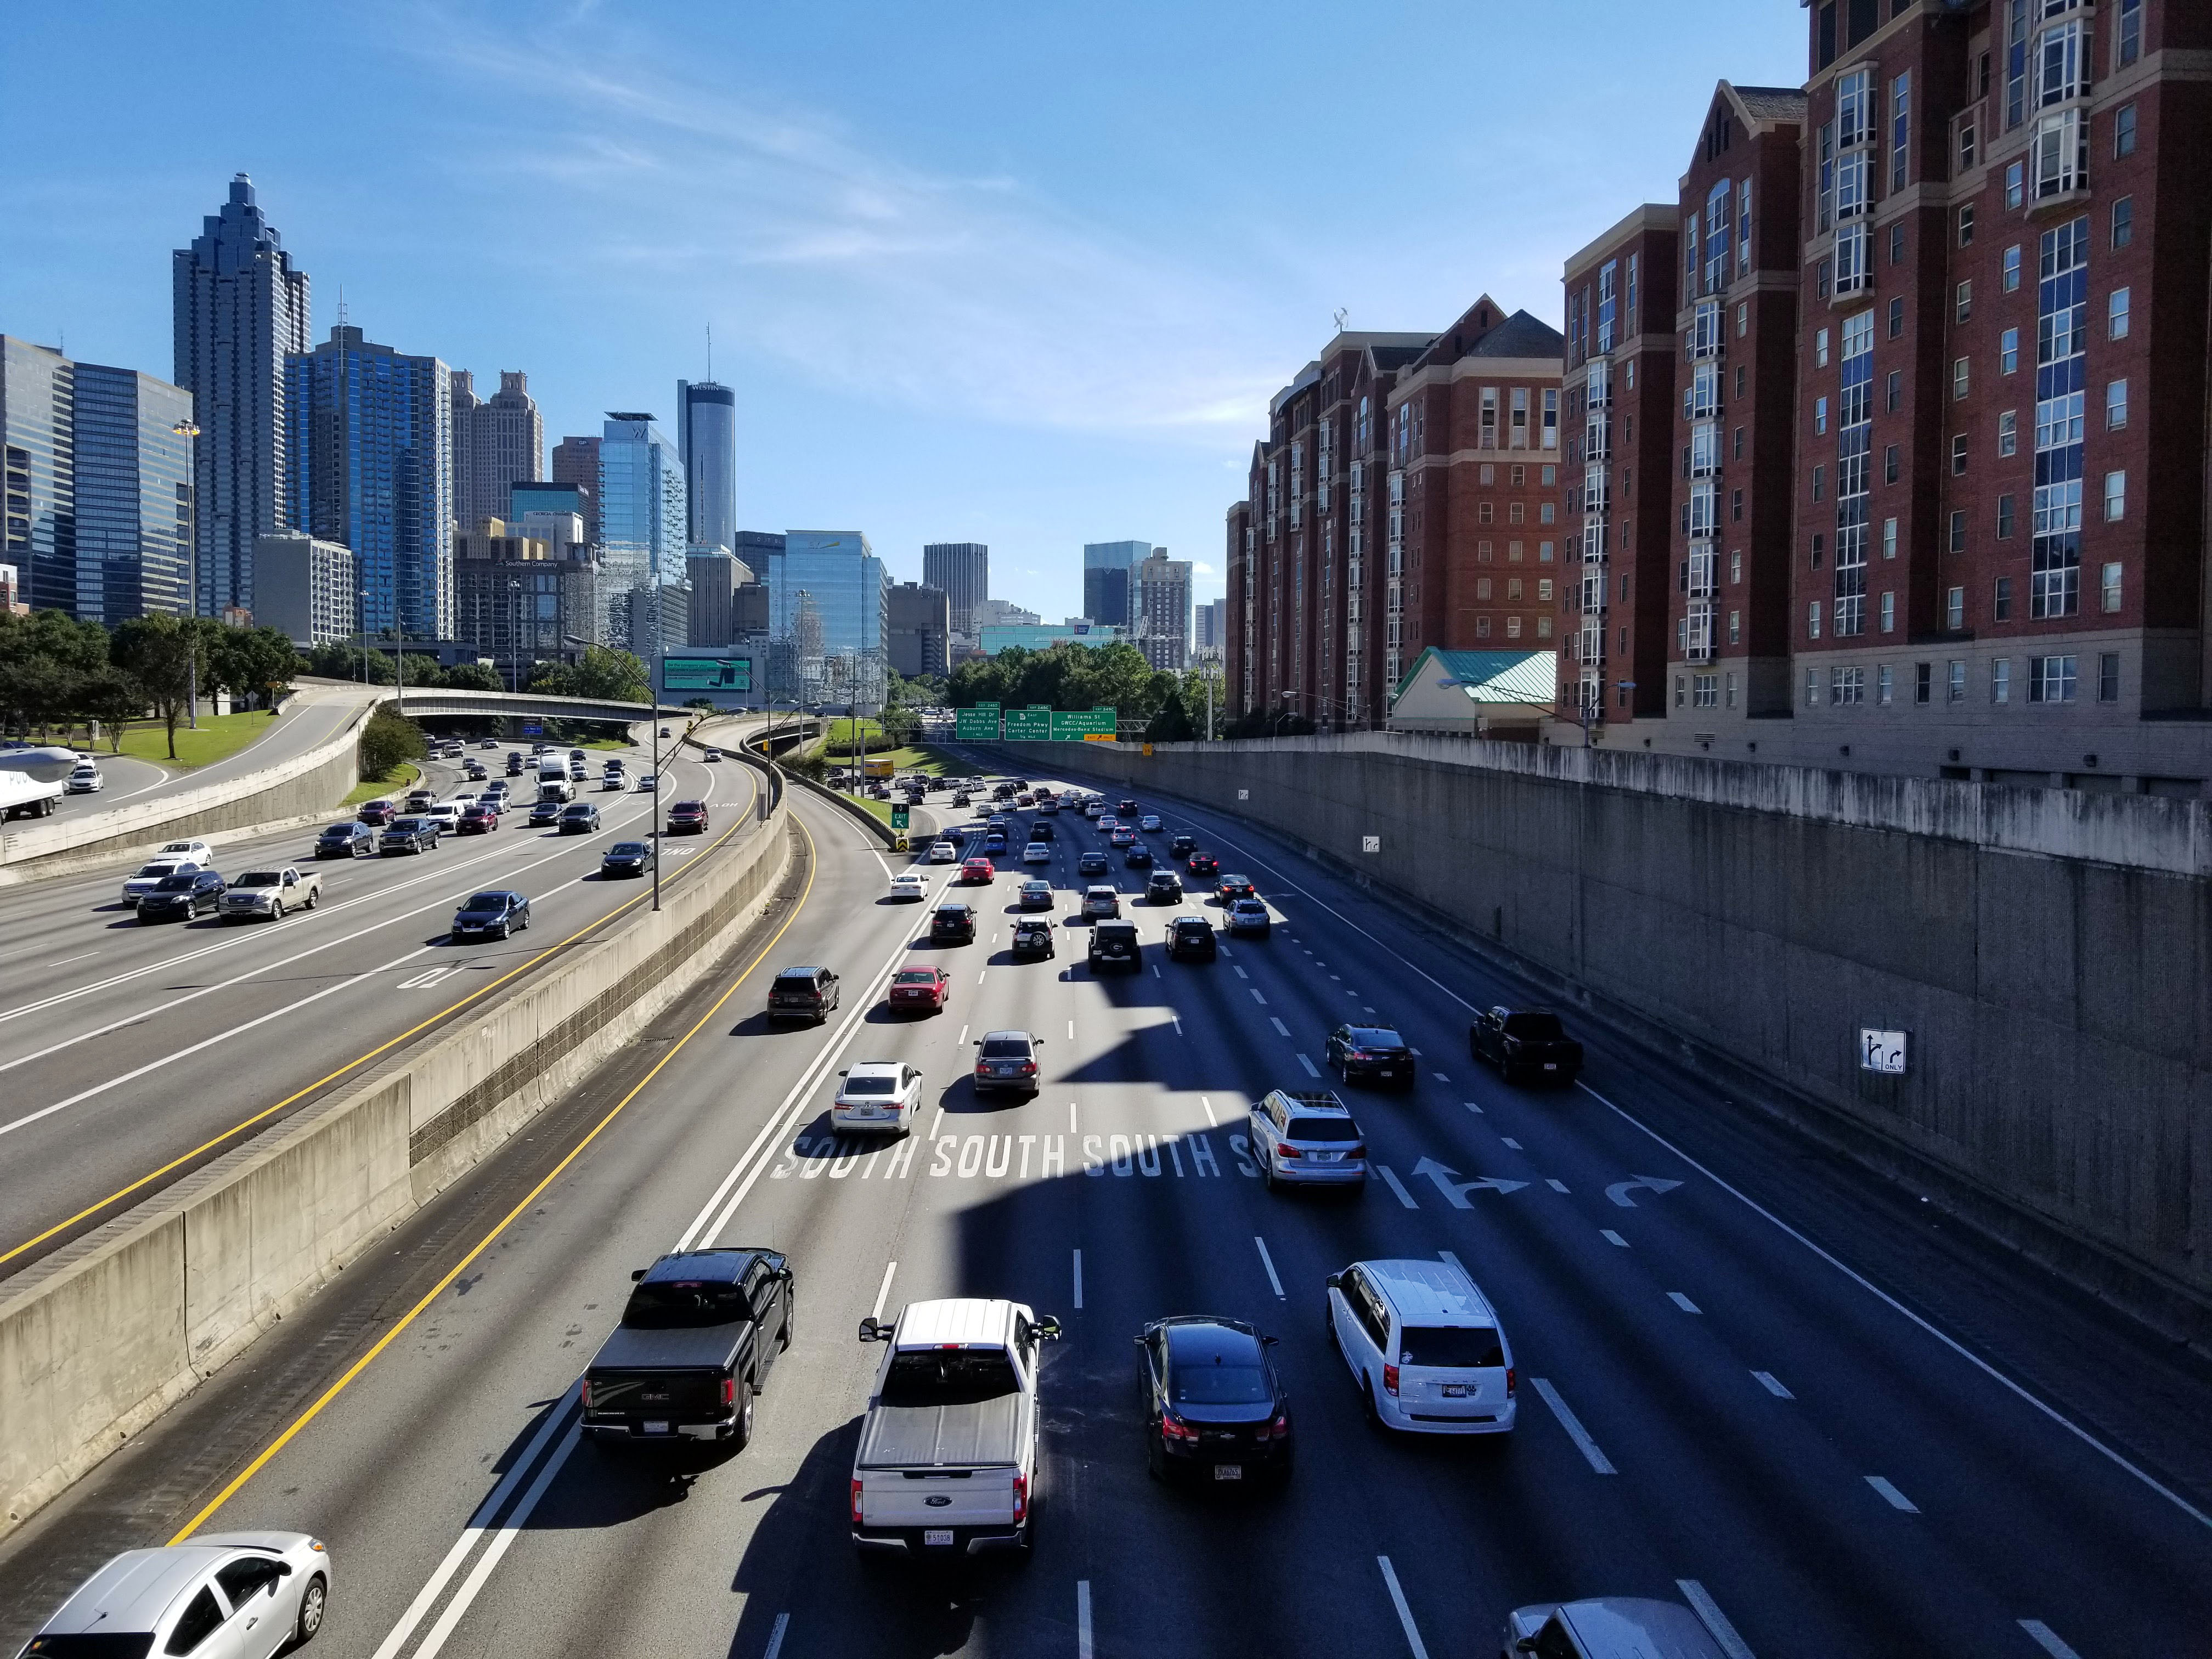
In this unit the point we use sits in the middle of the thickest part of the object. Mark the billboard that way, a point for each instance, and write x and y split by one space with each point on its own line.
707 674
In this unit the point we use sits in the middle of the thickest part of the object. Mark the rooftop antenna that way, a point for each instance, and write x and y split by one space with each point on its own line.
342 310
710 351
1341 313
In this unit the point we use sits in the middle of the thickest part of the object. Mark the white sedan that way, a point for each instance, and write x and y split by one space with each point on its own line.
264 1591
1150 822
878 1094
944 851
85 779
909 886
198 851
1037 852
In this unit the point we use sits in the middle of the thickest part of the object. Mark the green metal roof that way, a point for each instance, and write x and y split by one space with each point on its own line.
1524 676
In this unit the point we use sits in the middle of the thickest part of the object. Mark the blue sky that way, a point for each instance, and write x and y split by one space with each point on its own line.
1020 274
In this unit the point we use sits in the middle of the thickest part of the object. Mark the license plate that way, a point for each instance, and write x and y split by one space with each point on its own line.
1551 1065
1386 1072
1003 1071
1454 1391
937 1537
1228 1471
1324 1158
654 1428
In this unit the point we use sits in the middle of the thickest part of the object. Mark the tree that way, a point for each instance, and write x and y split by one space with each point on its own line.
387 739
615 676
473 677
160 653
46 660
113 698
250 662
1172 723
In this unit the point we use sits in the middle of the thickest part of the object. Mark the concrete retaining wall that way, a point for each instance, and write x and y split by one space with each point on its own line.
2047 951
99 1339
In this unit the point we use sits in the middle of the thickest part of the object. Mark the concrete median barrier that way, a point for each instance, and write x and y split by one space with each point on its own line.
99 1339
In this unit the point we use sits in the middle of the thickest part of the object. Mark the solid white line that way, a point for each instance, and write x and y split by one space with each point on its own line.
1682 1302
1956 1346
65 961
1716 1621
1573 1424
1312 1070
776 1636
1890 1496
1268 1262
1083 1619
1555 1183
1391 1179
502 1541
883 1290
1772 1385
1078 1279
1405 1612
2047 1639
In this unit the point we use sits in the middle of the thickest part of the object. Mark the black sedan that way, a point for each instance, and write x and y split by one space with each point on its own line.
182 897
1371 1053
495 914
628 858
1091 864
346 841
545 815
1138 857
1204 866
1214 1407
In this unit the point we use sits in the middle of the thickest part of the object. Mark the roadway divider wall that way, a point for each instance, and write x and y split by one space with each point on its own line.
2045 953
99 1339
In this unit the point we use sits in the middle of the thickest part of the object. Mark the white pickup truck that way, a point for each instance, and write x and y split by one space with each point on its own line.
948 1455
266 894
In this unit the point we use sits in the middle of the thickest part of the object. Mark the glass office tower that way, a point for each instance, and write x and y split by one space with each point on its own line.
843 582
707 437
133 494
1107 579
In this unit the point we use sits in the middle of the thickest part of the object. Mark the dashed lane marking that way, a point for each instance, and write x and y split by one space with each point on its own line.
1890 1496
1772 1385
1268 1262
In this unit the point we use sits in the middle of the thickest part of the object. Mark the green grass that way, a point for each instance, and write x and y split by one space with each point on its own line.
921 757
882 809
398 780
840 737
220 736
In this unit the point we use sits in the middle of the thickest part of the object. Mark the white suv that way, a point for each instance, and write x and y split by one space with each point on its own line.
878 1094
1308 1138
1425 1346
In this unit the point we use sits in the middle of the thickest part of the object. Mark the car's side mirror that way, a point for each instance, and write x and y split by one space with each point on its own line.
1269 1342
844 1074
1526 1644
872 1330
1049 1328
1334 1282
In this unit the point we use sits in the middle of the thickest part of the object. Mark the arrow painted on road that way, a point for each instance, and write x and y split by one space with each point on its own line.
1455 1192
1620 1190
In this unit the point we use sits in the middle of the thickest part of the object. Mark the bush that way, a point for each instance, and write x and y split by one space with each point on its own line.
388 739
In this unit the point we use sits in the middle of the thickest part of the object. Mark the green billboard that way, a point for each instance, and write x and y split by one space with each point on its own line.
977 724
1028 725
1073 726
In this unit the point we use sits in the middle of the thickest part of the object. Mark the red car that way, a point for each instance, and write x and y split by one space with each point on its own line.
478 821
975 870
921 987
1204 864
688 817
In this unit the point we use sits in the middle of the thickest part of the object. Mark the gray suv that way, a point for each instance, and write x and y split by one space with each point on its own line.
1302 1139
1609 1627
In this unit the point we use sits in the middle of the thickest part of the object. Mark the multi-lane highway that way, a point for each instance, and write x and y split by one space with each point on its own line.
129 1051
1751 1379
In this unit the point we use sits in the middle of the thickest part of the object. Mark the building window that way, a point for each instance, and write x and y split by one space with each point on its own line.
1811 688
1820 478
1820 416
1737 445
2115 404
2012 268
2129 42
1519 435
1959 531
1893 391
1736 505
2001 680
2108 676
2050 680
1513 628
1704 690
1731 690
1516 513
2001 599
1900 131
2123 222
2016 183
1958 453
1954 681
1739 381
2110 587
1820 348
1735 626
1735 572
1966 226
1544 590
2123 131
1889 538
1551 412
2116 315
1897 243
1482 628
1488 437
2007 433
1846 685
1966 300
1820 545
1681 692
1482 589
1742 319
1889 613
1889 464
1959 373
2008 351
1545 511
1954 609
2004 518
1482 512
1813 620
1885 685
1924 682
2115 497
1965 146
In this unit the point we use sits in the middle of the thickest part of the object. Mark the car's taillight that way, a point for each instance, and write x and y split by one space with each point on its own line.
729 1391
1171 1429
1280 1428
1355 1151
1289 1152
588 1394
1021 1498
1029 1068
856 1502
1390 1379
1511 1375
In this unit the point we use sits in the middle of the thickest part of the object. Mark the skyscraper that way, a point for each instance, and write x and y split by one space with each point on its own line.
644 514
707 436
576 461
1106 579
38 427
497 445
133 491
368 430
240 309
843 580
1162 608
920 629
962 572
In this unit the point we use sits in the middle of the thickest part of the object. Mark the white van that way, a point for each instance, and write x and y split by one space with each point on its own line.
1425 1346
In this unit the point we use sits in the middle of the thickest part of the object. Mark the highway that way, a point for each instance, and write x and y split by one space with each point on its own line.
122 1044
1751 1378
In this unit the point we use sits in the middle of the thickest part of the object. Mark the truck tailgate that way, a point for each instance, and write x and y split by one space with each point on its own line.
909 1497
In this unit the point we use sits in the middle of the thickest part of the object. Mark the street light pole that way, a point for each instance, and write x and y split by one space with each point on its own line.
188 430
653 702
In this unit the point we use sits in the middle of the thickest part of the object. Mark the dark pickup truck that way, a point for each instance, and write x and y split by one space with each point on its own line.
695 1342
1525 1045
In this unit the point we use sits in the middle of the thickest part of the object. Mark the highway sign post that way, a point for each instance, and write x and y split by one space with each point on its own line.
977 724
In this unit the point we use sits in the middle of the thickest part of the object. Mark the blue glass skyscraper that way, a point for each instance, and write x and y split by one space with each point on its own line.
369 435
133 508
843 580
1107 582
706 433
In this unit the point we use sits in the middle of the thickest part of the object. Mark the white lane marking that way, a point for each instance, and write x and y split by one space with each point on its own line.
1156 973
1510 1141
502 1541
1071 1121
1175 1017
1472 1107
2047 1639
1895 1306
1683 1302
1555 1183
1281 1030
1709 1611
935 1123
1226 952
1083 1619
979 978
1312 1070
962 1038
1070 1030
883 1290
1772 1385
427 978
1240 973
1391 1179
1207 1102
1440 1077
1890 1496
65 961
776 1636
1612 1237
1078 1279
486 1511
1268 1262
1259 997
1405 1612
1573 1424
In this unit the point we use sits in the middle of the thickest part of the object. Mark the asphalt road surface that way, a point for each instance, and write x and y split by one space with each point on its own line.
1750 1378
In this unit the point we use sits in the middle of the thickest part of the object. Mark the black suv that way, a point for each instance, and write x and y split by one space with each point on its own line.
346 841
580 818
1192 937
185 895
1138 857
1165 887
1182 847
408 835
953 924
802 993
1033 937
1113 944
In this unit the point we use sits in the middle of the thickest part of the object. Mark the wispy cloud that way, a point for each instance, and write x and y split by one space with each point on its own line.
862 270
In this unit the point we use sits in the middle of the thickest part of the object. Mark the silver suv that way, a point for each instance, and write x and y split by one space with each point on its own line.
1425 1346
1308 1138
1609 1627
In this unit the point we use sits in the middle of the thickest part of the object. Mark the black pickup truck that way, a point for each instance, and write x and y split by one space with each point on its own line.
1525 1045
696 1340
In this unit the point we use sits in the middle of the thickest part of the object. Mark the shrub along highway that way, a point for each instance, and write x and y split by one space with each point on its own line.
1751 1379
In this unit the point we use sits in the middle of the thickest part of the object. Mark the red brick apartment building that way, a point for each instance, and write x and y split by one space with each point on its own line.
1409 495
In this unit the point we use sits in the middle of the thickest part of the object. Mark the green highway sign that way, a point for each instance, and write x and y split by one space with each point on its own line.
899 816
977 724
1073 727
1028 725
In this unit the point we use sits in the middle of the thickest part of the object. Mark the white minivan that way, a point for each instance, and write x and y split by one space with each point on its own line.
1425 1346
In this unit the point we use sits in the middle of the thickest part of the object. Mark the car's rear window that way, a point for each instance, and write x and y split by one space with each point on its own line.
798 979
870 1085
101 1645
1539 1028
1373 1036
1322 1128
683 1304
1217 1384
914 976
1457 1346
1005 1048
949 1378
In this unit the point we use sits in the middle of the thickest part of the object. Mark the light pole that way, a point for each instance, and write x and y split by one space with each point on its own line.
653 702
188 430
513 634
